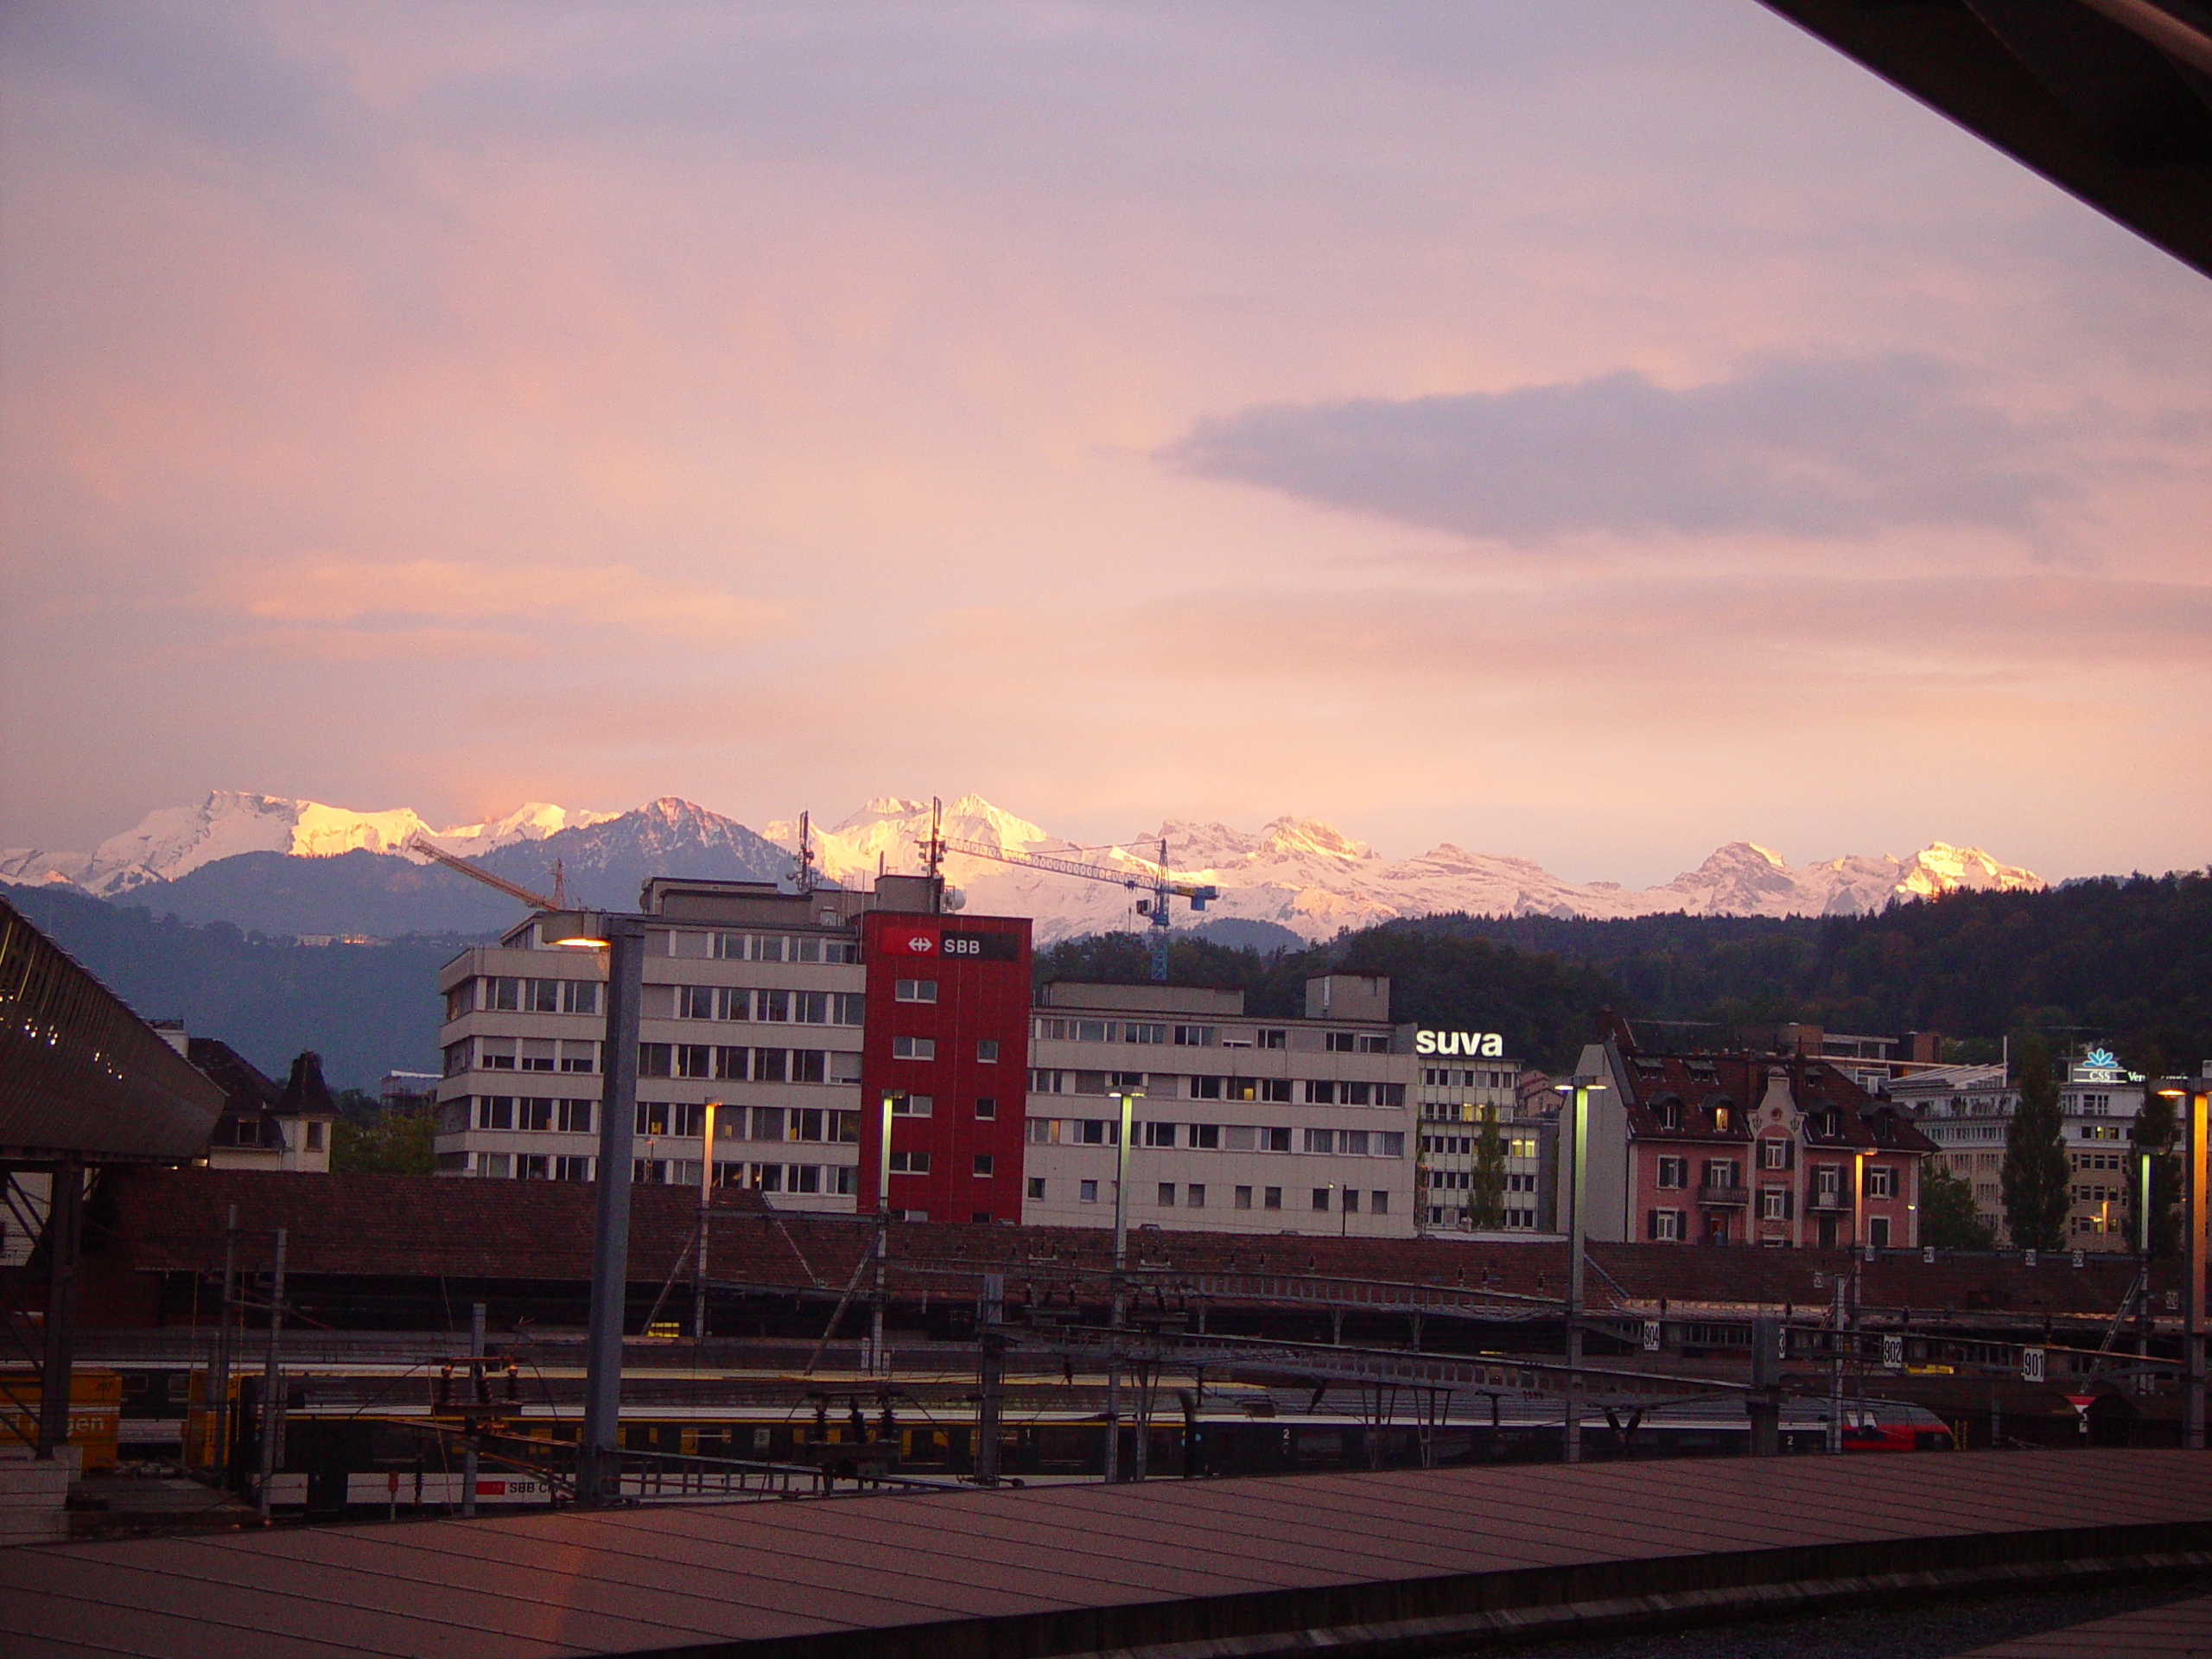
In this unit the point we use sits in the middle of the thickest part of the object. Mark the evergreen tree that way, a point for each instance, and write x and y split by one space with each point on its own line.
1948 1220
2155 1133
2036 1176
1486 1194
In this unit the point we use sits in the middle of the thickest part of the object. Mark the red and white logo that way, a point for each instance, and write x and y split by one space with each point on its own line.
921 944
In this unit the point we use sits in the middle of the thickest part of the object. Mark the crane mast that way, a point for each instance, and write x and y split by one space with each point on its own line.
1156 881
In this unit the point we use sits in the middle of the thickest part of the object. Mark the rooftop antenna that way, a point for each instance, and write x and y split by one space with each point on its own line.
560 886
934 848
803 877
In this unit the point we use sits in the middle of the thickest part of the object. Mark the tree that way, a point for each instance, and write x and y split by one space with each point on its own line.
1486 1184
1948 1220
2037 1178
2156 1131
393 1143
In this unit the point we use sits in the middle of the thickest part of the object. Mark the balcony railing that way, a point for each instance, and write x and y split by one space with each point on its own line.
1731 1193
1828 1204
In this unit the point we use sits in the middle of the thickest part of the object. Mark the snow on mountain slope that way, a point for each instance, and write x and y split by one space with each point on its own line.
1312 878
177 840
1296 873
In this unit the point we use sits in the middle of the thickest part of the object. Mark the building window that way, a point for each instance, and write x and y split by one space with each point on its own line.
574 1116
1321 1198
497 1165
1374 1042
1271 1198
1195 1036
579 996
1273 1040
1673 1173
1665 1226
1206 1136
916 990
315 1137
1352 1201
985 1163
914 1048
1881 1181
1378 1204
987 1109
495 1112
1275 1140
572 1169
1206 1088
1194 1196
1343 1042
912 1105
909 1163
1276 1089
1774 1155
1167 1195
1320 1139
1243 1198
1878 1231
531 1166
1774 1204
1086 1191
986 1050
1036 1188
654 1059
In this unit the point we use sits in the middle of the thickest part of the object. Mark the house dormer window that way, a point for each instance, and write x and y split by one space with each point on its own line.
1720 1119
1670 1111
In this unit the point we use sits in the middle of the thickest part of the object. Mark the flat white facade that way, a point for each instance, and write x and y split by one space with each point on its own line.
1246 1125
756 1005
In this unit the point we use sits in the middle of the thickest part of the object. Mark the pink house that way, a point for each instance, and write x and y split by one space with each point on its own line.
1774 1149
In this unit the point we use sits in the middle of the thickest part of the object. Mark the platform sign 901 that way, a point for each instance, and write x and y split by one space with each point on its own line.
980 947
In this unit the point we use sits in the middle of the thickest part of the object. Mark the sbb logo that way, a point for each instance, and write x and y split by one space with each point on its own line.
921 944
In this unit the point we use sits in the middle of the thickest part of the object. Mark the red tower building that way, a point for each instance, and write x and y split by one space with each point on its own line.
947 1037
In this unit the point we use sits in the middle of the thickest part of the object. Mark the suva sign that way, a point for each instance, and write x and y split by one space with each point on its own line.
1481 1045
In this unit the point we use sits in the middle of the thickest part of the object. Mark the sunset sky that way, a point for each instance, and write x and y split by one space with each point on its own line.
1588 431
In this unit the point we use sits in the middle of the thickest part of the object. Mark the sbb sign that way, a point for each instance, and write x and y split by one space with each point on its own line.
960 947
1480 1044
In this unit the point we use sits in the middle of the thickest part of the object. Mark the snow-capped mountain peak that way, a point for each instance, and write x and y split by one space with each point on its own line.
1296 873
174 841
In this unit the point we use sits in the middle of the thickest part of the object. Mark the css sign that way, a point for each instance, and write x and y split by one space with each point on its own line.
1480 1044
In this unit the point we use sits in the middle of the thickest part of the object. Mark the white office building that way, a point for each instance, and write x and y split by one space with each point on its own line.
1968 1110
1246 1125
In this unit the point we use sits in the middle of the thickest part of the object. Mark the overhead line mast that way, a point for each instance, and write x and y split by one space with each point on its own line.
1158 882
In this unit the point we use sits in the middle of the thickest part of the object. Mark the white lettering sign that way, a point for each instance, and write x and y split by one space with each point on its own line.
1476 1044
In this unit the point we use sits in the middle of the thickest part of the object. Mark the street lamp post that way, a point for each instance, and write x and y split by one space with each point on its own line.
1579 1092
623 939
2191 1093
706 1197
1125 1103
875 1363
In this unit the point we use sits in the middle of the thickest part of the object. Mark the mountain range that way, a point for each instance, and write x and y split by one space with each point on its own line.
292 868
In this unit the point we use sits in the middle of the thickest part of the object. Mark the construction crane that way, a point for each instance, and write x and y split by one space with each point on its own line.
422 844
1158 883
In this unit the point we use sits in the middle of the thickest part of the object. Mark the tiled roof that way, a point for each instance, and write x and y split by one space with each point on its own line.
426 1227
1697 1084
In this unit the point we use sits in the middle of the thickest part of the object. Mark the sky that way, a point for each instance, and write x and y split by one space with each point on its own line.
1592 431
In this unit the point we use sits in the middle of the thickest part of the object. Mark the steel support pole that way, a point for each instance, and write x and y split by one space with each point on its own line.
598 1479
706 1200
469 1462
1117 1310
875 1358
1578 1221
272 1385
2193 1289
219 1378
64 1215
990 1373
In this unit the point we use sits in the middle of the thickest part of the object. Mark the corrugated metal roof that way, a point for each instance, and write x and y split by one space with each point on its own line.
1075 1569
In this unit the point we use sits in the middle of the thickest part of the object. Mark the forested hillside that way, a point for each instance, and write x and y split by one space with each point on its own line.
2125 961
